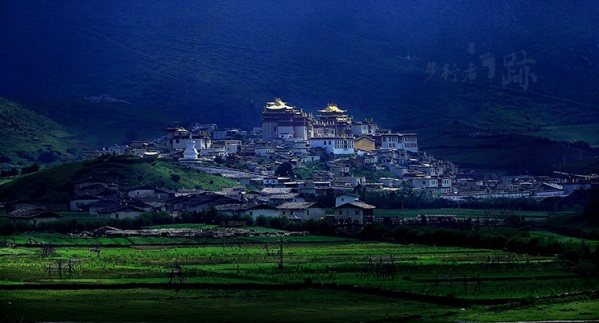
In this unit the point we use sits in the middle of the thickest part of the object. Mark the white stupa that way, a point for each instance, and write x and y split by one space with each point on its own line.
190 152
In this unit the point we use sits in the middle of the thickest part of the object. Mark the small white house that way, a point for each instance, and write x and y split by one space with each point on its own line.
82 202
232 147
301 210
122 212
354 212
424 182
262 209
335 145
144 191
33 215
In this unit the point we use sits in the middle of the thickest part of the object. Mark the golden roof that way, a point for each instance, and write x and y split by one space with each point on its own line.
332 108
278 104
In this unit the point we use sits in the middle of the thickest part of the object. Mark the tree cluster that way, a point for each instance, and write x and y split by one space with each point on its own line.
9 173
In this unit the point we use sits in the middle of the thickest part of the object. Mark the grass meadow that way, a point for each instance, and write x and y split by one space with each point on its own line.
319 281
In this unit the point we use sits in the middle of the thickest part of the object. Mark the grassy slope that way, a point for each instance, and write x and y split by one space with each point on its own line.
460 144
27 134
101 124
56 182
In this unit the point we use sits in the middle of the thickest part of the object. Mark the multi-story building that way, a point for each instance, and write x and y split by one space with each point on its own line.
410 142
282 121
366 127
334 145
176 139
334 130
334 122
399 141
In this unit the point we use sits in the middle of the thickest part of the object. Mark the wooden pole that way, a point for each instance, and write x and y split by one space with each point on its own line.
281 253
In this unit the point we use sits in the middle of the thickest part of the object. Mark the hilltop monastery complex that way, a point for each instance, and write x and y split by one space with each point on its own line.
293 138
333 130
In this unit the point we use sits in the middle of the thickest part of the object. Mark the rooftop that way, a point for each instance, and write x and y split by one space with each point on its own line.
278 104
332 108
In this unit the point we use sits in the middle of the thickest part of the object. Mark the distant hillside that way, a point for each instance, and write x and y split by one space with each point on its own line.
510 67
47 137
220 61
55 184
472 147
29 137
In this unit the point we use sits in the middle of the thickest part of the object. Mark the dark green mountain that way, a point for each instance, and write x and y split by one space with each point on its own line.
511 66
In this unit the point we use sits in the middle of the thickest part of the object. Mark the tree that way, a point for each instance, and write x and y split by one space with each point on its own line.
328 199
47 157
9 229
31 169
238 136
262 221
285 169
591 211
9 173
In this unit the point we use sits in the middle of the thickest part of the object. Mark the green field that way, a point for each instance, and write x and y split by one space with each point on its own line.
217 305
330 281
37 239
213 305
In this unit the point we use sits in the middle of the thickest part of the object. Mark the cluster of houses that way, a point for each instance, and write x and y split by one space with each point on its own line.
290 135
105 202
294 137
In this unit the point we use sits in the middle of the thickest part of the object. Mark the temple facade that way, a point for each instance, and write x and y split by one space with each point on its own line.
280 121
334 122
334 130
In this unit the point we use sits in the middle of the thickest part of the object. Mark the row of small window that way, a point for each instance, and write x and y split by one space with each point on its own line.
293 212
341 212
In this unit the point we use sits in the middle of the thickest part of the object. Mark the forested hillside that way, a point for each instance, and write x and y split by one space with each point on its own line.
110 72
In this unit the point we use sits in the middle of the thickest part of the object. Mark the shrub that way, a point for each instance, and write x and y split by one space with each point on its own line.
9 229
